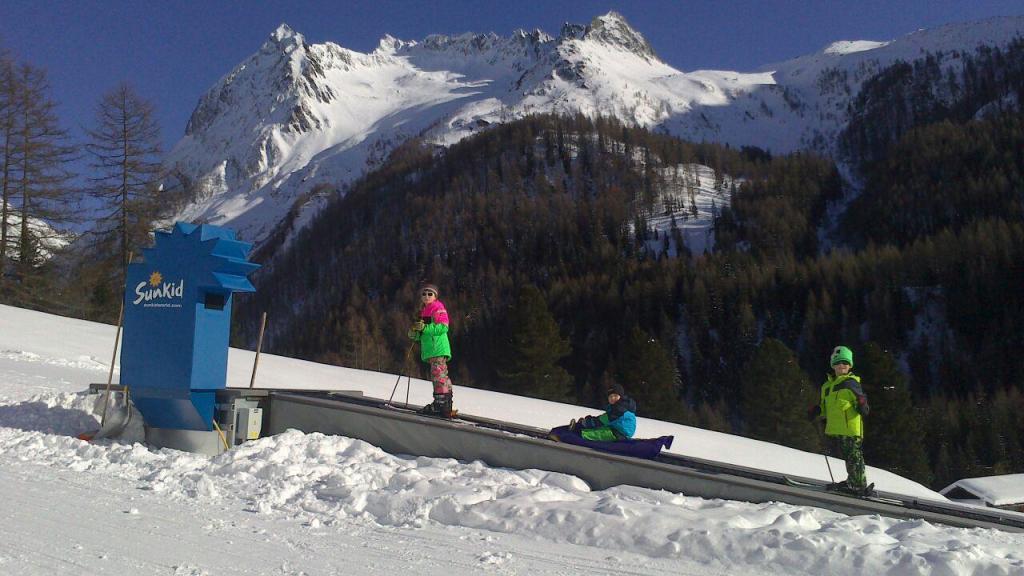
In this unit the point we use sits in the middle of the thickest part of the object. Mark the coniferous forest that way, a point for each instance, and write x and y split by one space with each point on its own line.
536 233
541 236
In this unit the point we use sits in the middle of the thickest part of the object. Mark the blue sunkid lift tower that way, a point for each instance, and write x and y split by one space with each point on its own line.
177 323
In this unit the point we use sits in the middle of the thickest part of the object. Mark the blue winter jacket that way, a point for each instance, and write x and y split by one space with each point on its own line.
622 416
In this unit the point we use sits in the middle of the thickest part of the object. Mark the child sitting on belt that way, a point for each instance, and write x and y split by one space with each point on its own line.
617 422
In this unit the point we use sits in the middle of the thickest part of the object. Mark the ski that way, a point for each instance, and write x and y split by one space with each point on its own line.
453 417
873 496
798 484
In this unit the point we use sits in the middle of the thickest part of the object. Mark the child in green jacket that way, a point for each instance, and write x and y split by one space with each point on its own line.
843 405
431 331
617 422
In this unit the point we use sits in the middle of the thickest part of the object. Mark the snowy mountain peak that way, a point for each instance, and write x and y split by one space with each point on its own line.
851 46
256 92
284 38
465 43
295 123
613 30
389 45
537 36
571 31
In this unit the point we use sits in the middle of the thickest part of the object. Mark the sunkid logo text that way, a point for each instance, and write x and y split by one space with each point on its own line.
158 289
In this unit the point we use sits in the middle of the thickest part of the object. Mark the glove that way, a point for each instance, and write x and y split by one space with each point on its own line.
813 412
862 405
418 326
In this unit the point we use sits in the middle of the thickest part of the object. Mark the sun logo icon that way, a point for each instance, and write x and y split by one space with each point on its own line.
155 279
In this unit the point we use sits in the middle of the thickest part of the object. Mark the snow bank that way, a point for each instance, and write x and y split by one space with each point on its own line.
43 363
328 481
335 483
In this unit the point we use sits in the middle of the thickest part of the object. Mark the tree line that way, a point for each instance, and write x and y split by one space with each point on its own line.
940 86
531 231
539 233
72 210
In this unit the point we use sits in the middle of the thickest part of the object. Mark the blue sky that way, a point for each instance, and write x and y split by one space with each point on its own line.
173 51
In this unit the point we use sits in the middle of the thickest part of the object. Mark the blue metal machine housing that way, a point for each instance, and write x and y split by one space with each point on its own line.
177 323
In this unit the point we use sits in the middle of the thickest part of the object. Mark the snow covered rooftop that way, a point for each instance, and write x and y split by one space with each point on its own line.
1005 490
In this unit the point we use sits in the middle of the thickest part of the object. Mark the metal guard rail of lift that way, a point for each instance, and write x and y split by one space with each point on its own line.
511 445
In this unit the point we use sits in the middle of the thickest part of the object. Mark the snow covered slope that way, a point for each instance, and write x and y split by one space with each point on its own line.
26 339
48 239
314 504
295 123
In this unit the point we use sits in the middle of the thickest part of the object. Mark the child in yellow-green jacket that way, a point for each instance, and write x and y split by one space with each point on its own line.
843 405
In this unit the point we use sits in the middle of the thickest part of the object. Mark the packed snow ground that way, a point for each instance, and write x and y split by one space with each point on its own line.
313 504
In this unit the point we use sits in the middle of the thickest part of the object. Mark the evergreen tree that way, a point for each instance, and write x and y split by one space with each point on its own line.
529 364
775 397
9 115
892 431
648 372
476 215
40 181
714 417
124 145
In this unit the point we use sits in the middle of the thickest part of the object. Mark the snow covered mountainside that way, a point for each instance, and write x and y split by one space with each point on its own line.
47 239
295 123
314 504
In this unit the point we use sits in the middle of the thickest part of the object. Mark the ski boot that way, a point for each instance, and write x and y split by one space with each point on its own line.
862 491
843 486
434 408
447 410
429 410
440 407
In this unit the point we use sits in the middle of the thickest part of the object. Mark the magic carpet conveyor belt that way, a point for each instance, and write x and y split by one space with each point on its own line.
505 444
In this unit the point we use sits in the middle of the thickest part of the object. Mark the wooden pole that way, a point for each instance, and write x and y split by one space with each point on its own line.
259 346
113 357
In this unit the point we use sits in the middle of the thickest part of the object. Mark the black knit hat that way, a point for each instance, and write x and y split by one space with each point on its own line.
616 388
429 286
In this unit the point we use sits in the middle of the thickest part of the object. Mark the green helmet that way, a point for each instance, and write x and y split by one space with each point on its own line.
841 354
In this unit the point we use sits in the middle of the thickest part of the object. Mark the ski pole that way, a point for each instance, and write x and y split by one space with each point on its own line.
408 384
405 365
829 469
827 463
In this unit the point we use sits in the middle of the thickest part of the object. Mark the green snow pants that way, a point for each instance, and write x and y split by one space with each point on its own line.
602 434
854 456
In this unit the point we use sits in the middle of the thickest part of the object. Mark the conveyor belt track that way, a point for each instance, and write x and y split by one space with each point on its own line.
513 445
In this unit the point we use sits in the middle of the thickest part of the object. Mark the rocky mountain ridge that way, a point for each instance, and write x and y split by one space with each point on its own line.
295 123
